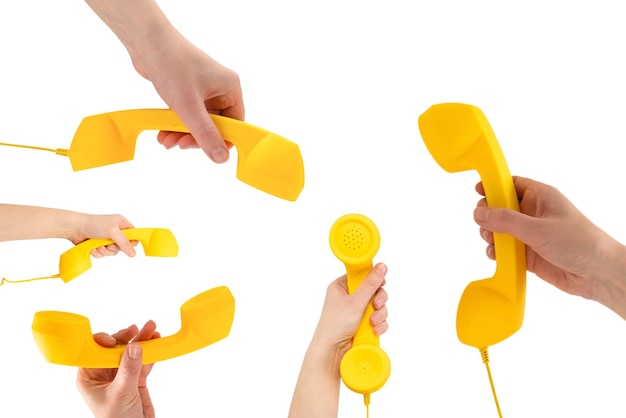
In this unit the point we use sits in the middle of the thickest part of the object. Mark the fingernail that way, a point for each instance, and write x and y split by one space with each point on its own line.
132 252
381 269
481 214
134 351
110 339
219 155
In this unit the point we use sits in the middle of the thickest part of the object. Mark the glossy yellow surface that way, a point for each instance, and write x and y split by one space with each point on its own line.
355 240
460 138
156 242
265 161
65 338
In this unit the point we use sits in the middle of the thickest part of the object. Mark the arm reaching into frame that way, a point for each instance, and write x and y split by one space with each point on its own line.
189 81
20 222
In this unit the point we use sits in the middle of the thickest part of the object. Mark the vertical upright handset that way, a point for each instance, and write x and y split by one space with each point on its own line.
354 239
460 138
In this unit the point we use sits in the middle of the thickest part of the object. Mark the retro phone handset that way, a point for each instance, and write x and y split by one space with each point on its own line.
266 161
365 368
459 138
66 338
156 242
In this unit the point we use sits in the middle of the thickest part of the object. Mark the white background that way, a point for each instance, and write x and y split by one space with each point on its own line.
346 80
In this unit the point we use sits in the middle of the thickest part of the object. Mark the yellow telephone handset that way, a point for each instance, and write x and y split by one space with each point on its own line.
354 240
65 338
460 138
156 242
266 161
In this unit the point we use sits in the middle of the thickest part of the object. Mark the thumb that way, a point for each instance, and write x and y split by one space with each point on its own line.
502 220
127 377
206 134
372 282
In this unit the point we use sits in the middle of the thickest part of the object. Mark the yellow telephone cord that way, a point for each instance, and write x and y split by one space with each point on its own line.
485 356
58 151
55 276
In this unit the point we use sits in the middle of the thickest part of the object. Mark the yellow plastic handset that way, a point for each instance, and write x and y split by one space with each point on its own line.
354 239
460 138
156 242
65 338
266 161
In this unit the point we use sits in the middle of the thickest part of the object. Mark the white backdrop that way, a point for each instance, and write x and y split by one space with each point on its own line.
346 81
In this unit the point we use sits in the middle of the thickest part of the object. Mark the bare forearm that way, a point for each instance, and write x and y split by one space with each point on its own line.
140 25
18 222
610 283
317 392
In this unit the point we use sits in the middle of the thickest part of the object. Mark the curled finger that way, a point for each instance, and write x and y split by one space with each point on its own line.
380 298
487 236
125 335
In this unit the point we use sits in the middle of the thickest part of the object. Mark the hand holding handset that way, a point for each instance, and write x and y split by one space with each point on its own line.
266 161
156 242
354 239
65 338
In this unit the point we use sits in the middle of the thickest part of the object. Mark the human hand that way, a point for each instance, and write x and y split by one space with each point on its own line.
86 226
188 80
193 85
563 247
120 393
342 312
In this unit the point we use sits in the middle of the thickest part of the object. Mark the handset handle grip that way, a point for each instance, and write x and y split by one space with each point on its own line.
488 160
241 134
365 333
156 242
65 338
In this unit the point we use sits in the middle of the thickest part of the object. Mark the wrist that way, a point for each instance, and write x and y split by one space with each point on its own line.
73 226
610 285
325 354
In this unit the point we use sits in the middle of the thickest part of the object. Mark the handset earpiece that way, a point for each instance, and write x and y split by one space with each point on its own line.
266 160
156 242
65 338
355 240
460 138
